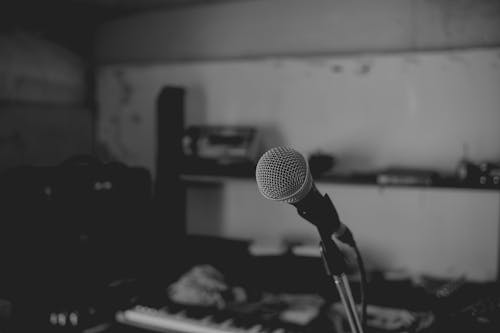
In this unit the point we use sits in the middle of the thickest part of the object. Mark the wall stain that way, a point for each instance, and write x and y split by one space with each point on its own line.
337 69
117 119
125 87
364 66
364 69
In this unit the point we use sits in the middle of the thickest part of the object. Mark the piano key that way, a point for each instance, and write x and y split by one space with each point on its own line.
255 329
205 320
220 316
180 314
279 330
226 324
243 323
197 313
163 322
202 320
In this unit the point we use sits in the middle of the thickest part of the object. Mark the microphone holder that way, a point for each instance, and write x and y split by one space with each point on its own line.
319 212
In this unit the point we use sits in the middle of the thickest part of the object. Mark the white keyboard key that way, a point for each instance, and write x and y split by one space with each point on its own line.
161 321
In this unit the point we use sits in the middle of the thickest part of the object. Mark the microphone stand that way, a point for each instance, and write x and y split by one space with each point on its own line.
335 268
319 210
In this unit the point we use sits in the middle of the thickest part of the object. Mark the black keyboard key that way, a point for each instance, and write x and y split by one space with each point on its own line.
197 313
220 316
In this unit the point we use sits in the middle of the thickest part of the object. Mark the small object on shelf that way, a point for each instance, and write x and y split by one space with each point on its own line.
490 173
218 149
467 171
320 163
479 174
406 176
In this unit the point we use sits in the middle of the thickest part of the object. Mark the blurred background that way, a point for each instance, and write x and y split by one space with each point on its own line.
395 104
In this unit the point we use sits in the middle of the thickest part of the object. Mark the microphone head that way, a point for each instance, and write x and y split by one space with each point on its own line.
283 174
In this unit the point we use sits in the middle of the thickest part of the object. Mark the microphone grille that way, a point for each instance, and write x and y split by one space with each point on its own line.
282 174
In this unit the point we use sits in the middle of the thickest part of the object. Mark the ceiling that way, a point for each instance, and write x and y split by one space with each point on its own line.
148 4
72 23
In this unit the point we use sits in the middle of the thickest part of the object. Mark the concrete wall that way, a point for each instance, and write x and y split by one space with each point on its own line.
422 110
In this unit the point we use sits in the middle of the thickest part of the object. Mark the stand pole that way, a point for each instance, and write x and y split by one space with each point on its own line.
349 304
341 282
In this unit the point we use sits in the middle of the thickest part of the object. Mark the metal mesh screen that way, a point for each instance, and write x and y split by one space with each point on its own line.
283 175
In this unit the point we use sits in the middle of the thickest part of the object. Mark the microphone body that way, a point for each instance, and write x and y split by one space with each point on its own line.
283 175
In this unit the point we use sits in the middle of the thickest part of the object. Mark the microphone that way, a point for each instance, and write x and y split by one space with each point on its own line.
283 174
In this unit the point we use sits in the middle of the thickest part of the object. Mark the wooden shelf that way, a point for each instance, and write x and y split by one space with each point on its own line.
445 182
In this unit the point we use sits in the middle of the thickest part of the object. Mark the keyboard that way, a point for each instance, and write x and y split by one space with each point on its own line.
162 321
187 320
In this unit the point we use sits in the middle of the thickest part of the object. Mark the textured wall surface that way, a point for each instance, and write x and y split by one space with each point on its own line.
417 109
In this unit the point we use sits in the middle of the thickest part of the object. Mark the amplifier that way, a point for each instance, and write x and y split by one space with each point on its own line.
68 226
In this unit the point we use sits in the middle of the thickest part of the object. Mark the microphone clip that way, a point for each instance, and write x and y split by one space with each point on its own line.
320 211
